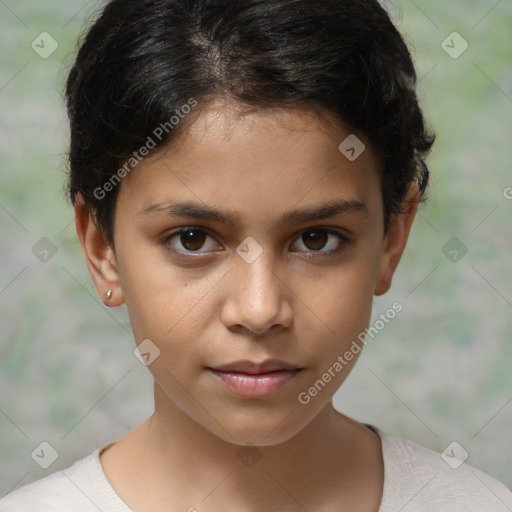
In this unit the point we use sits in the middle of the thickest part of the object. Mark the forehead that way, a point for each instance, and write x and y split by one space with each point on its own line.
256 162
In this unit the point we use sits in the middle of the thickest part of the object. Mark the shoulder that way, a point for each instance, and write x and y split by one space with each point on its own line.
81 487
41 495
423 480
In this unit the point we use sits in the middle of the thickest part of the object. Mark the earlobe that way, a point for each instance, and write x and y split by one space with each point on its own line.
98 254
396 240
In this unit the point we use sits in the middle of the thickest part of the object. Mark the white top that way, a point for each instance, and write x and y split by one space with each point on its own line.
416 479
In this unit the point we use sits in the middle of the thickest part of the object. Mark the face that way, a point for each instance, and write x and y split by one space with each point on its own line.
252 247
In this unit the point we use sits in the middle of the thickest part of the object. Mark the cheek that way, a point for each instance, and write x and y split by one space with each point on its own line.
170 317
162 310
338 310
172 308
342 310
347 293
158 296
341 316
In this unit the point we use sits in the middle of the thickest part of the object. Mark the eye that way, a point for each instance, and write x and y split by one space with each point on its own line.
191 239
316 238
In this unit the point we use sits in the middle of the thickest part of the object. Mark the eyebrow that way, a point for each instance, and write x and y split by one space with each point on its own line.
195 210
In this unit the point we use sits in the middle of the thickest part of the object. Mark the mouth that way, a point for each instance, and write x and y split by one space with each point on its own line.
255 380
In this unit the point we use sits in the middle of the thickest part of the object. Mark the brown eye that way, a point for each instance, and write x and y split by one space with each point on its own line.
189 240
192 239
316 239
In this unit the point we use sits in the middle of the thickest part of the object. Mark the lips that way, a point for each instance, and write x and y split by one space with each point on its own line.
252 368
255 380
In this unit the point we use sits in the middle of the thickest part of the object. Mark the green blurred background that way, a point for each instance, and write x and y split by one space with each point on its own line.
439 372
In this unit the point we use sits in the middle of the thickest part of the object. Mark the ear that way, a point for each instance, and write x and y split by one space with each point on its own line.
98 254
396 239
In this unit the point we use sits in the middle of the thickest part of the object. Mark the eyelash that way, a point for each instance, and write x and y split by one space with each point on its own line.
319 255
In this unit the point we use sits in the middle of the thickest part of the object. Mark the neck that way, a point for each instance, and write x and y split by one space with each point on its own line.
179 456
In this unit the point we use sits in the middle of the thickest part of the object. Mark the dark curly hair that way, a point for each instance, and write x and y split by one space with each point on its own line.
143 60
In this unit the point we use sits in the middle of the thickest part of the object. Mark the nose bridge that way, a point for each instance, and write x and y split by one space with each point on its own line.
256 296
258 278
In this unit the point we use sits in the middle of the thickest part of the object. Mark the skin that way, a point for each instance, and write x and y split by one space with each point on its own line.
216 308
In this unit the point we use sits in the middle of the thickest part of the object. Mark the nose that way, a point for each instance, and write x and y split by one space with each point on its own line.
257 298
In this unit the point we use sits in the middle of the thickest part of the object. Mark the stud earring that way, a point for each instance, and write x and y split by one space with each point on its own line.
108 295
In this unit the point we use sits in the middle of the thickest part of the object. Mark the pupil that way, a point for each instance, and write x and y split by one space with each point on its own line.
192 239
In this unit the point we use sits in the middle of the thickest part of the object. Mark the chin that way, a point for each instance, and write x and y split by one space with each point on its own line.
258 438
248 430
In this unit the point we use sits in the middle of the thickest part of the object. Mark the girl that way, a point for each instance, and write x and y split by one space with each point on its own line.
245 175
